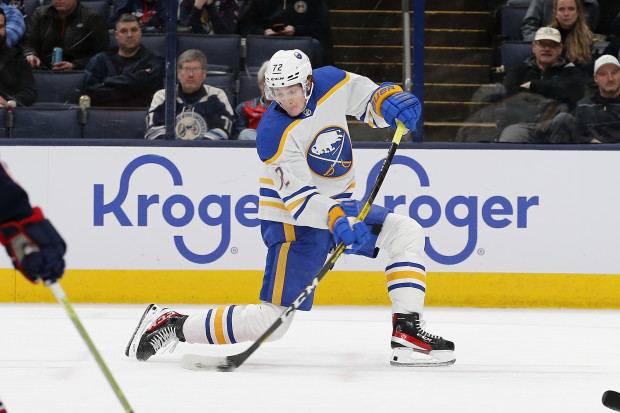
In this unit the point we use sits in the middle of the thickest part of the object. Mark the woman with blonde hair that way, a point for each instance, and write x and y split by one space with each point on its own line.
569 19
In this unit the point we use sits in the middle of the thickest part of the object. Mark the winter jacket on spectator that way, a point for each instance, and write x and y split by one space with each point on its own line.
114 80
16 80
15 24
151 15
597 118
204 114
82 35
219 17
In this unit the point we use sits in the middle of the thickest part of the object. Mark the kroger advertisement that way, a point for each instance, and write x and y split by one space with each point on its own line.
168 208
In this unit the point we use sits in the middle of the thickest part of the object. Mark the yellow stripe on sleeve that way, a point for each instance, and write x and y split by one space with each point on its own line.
266 181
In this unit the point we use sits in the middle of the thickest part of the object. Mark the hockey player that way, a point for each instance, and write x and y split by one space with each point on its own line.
34 245
305 207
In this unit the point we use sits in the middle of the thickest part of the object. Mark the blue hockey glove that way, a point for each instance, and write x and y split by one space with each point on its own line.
354 236
351 208
36 248
392 103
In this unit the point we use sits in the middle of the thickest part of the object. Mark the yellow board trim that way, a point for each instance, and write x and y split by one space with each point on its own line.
337 288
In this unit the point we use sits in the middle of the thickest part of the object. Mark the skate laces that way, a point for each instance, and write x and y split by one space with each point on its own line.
420 326
166 337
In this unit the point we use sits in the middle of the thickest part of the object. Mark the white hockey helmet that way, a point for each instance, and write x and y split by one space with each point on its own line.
288 68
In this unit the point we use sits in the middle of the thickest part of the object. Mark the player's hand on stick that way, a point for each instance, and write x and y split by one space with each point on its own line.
392 103
36 248
355 235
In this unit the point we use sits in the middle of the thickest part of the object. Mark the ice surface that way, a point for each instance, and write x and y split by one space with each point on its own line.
333 359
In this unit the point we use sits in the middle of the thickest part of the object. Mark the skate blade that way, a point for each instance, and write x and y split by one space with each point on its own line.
130 351
206 363
408 357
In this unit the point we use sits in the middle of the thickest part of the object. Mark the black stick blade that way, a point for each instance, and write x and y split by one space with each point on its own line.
611 399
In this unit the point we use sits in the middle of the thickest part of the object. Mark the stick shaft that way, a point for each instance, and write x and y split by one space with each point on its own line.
60 295
238 359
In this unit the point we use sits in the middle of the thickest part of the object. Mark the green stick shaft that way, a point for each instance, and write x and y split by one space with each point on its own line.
62 299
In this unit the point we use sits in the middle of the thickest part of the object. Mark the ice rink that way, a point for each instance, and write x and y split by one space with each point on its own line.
333 359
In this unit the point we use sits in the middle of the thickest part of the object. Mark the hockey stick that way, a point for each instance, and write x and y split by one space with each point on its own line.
62 299
229 363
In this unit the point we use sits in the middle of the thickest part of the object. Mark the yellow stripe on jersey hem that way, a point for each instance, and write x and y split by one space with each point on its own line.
292 205
335 88
282 140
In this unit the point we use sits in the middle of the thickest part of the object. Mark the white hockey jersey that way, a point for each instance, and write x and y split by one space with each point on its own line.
308 160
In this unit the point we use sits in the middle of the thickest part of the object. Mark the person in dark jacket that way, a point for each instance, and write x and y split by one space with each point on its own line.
597 118
202 111
151 15
126 75
309 18
68 24
209 16
542 90
16 80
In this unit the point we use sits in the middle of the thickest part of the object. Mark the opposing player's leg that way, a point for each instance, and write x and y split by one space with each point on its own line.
403 239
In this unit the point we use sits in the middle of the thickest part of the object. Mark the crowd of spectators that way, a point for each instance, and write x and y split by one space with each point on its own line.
68 35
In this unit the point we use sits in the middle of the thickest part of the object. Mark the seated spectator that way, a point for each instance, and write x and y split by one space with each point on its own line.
209 16
126 75
151 14
544 88
540 13
68 24
249 113
202 111
15 24
308 18
16 80
576 35
597 118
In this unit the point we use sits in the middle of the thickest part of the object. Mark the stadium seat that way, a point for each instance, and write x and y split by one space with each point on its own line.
52 123
155 42
512 17
115 123
101 7
58 88
514 53
223 51
261 48
226 82
248 88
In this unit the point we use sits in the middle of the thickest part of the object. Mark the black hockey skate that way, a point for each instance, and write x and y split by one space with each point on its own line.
158 329
415 347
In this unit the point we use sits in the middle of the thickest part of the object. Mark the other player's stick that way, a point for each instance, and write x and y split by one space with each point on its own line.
62 299
229 363
611 399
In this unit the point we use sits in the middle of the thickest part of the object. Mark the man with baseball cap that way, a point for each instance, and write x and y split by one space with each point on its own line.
597 118
542 89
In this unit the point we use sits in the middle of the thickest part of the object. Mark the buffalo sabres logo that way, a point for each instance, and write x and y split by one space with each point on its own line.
190 126
330 154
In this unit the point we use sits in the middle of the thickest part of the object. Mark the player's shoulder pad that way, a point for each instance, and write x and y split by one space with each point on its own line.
325 78
270 133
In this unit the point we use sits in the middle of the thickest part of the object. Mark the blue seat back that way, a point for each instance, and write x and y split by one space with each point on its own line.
58 87
248 88
227 83
512 17
52 123
261 48
115 123
514 53
223 51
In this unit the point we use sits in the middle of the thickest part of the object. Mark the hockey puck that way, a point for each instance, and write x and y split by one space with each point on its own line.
611 399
